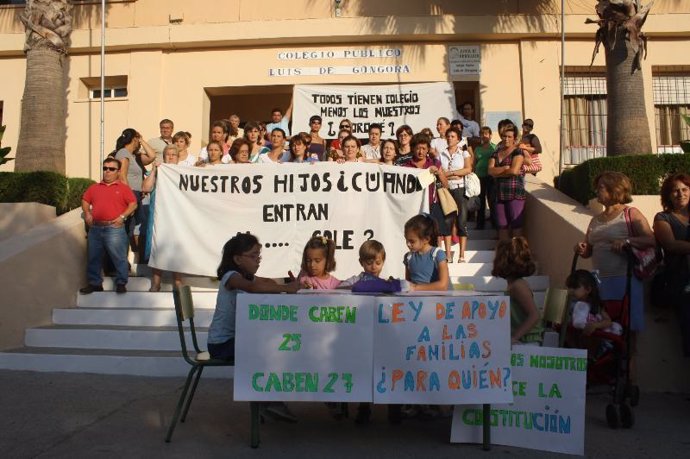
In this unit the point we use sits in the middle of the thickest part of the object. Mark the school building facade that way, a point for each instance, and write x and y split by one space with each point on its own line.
195 62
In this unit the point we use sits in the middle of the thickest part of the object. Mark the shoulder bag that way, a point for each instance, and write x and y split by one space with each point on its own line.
446 199
645 261
472 185
534 167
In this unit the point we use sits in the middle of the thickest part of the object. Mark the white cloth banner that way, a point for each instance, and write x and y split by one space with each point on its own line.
442 350
197 210
303 347
548 413
418 105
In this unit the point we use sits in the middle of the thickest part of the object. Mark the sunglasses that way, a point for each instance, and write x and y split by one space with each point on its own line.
345 126
110 169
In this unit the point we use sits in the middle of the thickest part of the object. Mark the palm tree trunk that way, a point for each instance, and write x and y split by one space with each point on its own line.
627 123
41 144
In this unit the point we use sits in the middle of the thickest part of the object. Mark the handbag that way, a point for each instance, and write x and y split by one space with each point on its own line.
446 199
645 261
534 167
472 185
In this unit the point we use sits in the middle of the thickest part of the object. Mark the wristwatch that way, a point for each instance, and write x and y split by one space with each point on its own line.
627 242
123 217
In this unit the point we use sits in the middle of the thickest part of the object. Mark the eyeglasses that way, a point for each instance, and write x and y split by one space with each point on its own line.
110 169
345 126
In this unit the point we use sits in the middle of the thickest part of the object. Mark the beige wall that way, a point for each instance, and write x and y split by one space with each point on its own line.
32 286
186 71
17 218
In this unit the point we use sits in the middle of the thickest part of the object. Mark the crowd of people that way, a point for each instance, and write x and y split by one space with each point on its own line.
460 147
116 210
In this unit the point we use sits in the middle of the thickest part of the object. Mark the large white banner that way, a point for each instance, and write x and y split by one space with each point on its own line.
418 105
197 210
303 347
442 350
549 409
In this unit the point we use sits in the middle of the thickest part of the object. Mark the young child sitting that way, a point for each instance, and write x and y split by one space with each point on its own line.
372 256
588 314
318 261
237 273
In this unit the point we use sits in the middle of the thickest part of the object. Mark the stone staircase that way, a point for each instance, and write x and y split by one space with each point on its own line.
136 333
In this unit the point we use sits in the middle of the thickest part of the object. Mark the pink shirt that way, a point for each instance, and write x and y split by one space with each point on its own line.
328 283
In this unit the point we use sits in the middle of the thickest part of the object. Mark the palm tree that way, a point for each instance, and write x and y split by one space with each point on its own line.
620 23
41 144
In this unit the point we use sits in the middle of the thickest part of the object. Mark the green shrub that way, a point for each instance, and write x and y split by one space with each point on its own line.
646 173
48 188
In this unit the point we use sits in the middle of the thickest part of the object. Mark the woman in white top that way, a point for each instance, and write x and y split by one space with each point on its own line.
181 141
438 144
277 153
457 162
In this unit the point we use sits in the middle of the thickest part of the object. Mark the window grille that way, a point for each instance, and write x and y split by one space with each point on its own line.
584 117
671 94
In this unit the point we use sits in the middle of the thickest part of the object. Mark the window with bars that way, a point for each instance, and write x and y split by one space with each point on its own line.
584 116
671 100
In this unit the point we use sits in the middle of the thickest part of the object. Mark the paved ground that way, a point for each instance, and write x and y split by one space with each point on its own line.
60 415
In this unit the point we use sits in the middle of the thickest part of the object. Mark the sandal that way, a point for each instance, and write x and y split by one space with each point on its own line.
155 288
461 260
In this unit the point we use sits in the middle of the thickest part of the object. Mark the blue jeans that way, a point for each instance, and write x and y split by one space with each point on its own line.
109 239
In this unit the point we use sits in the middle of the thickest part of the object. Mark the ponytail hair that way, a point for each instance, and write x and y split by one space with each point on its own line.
127 136
325 244
424 226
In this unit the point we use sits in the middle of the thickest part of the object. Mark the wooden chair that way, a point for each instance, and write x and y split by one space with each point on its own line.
184 311
556 311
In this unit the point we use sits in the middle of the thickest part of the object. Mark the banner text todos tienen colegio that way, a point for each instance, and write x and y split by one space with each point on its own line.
418 105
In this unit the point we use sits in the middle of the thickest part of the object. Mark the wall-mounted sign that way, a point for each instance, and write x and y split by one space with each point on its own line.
354 53
464 60
338 70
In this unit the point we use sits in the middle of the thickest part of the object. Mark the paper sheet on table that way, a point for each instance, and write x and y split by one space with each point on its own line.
426 178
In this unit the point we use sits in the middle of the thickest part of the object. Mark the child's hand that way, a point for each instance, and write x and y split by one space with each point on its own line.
292 286
307 284
589 329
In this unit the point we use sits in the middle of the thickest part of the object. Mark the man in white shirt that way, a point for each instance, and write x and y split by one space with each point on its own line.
278 120
470 128
372 150
159 143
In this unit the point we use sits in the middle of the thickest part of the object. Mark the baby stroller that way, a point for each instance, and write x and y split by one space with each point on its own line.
612 366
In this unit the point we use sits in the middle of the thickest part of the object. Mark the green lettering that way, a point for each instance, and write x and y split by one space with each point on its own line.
273 384
351 315
253 312
255 384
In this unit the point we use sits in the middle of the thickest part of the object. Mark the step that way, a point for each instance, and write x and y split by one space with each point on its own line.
496 284
146 300
143 283
109 337
148 363
469 269
131 317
